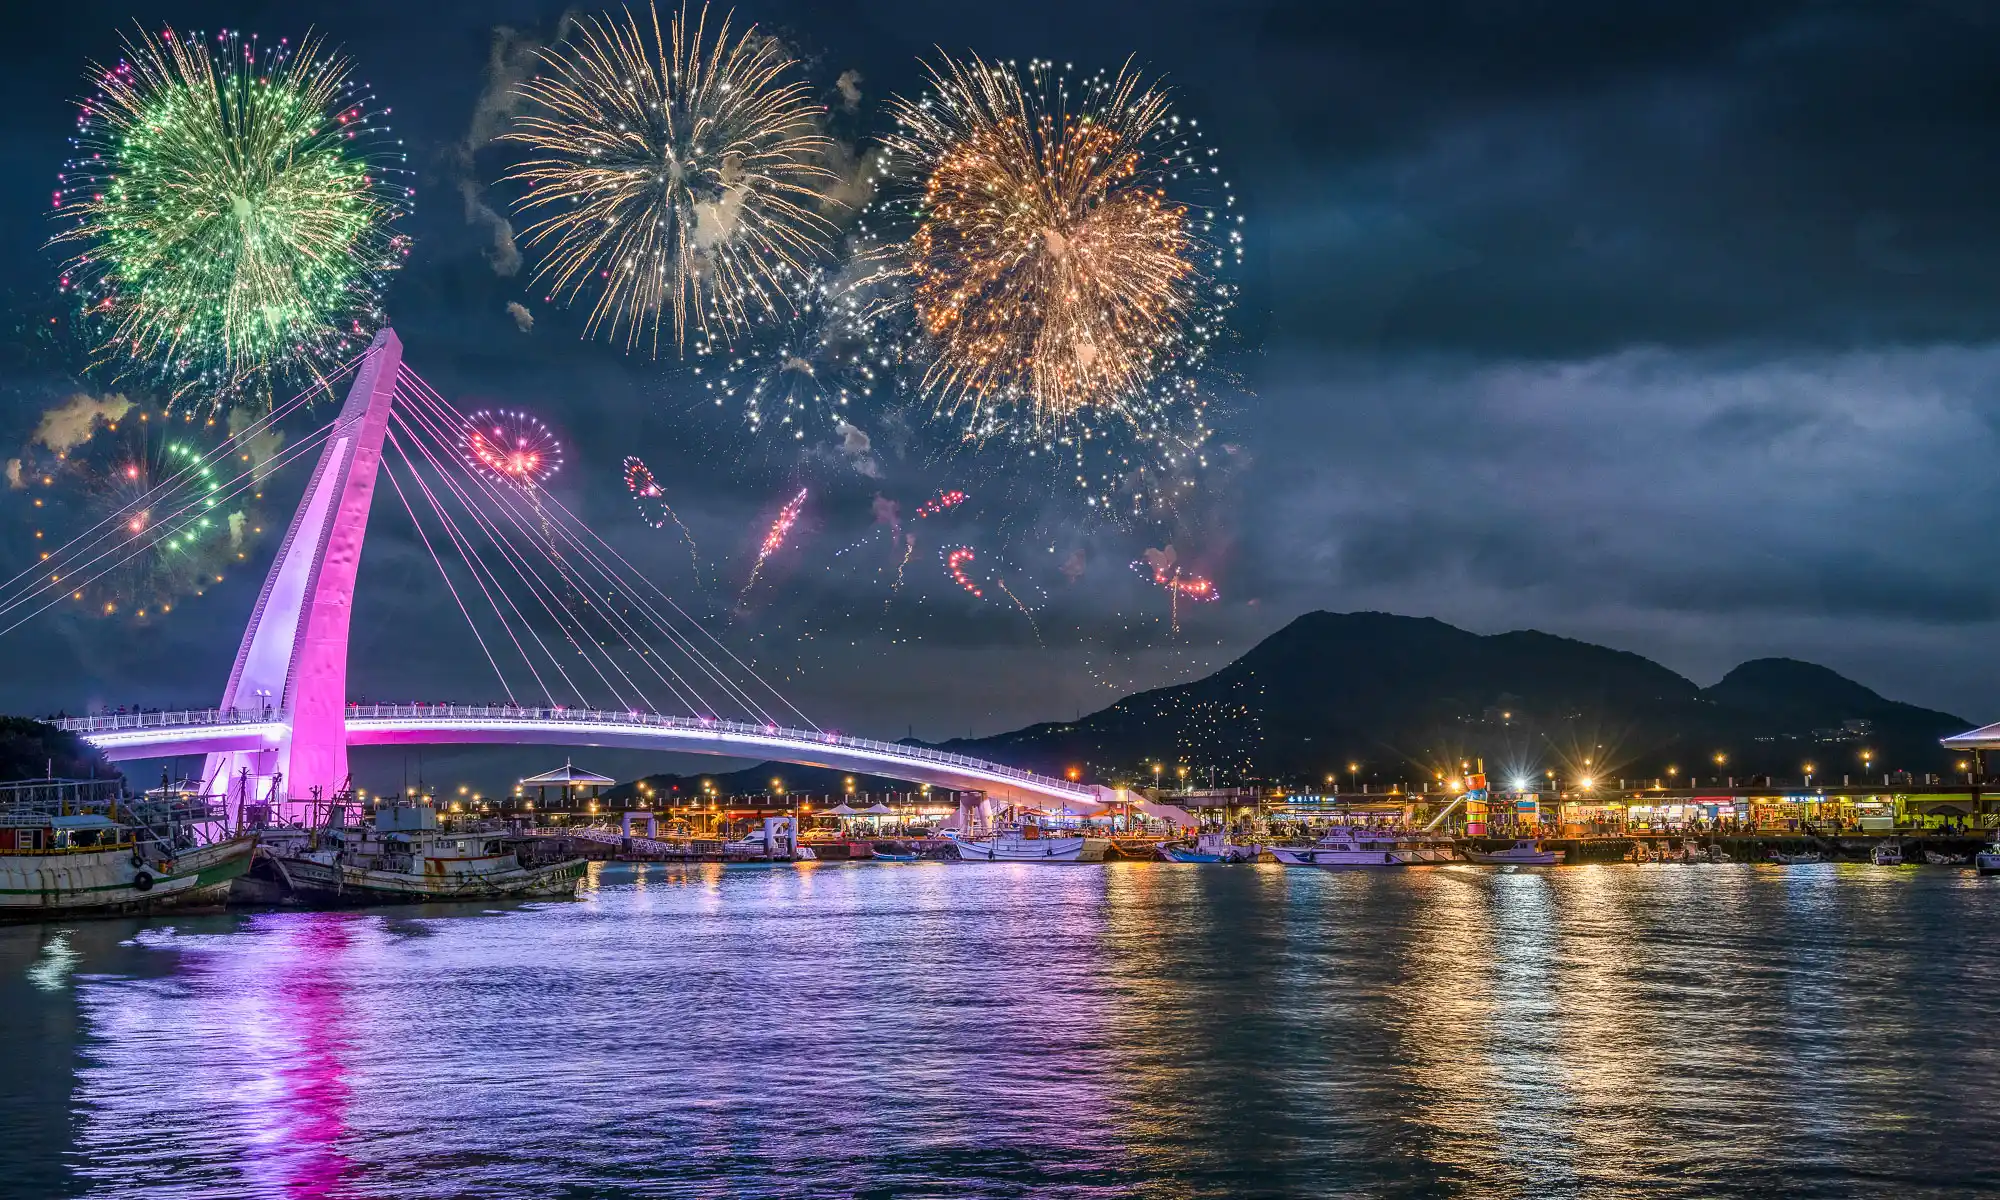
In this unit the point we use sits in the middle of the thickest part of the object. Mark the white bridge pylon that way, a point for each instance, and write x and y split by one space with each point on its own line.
284 715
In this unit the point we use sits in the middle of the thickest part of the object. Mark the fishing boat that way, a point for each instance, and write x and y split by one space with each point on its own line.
1987 861
1525 853
1208 848
1025 842
77 848
892 856
1888 854
402 855
1794 858
1342 847
1938 858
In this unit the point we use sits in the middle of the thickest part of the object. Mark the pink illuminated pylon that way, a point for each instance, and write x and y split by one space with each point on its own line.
292 665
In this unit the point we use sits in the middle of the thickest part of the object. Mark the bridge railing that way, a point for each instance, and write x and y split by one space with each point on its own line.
202 717
595 716
165 719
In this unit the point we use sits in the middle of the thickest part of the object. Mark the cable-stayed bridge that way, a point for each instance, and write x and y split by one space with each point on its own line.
587 650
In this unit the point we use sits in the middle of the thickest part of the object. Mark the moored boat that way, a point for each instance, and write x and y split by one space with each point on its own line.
1524 853
1938 858
1888 854
1021 843
402 856
1794 858
1210 847
1987 861
1343 847
77 848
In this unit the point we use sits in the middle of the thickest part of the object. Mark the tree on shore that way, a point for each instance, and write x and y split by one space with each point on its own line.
31 749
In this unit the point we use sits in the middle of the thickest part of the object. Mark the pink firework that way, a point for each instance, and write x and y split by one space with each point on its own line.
512 446
774 541
1165 573
1180 583
939 503
955 561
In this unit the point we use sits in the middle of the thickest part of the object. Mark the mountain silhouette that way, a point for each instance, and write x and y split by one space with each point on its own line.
1406 697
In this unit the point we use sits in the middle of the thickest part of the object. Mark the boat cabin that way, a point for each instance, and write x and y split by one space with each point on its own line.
55 834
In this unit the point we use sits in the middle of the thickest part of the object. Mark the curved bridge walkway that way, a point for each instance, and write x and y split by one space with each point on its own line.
126 736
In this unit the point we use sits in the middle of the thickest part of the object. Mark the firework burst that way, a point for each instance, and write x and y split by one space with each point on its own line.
942 502
680 174
816 373
1179 585
1054 269
162 544
513 447
654 509
233 208
956 559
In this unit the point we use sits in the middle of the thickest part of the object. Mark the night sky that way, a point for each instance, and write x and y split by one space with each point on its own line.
1669 326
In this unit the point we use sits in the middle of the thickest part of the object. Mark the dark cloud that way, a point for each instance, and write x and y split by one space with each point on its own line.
1665 325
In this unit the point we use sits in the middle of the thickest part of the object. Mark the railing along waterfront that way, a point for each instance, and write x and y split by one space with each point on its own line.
513 714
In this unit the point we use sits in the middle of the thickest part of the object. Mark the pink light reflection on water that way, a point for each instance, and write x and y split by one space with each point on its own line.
242 1054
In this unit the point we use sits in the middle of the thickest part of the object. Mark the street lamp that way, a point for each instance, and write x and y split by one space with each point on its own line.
1353 777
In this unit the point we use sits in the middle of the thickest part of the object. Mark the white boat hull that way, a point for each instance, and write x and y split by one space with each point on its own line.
1510 858
1311 856
1041 850
111 883
1988 862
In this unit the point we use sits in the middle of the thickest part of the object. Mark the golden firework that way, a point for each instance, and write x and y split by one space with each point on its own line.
681 175
1049 268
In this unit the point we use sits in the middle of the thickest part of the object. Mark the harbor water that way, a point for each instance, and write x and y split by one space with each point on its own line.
934 1029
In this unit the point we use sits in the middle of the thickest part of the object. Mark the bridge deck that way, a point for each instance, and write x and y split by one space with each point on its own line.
127 736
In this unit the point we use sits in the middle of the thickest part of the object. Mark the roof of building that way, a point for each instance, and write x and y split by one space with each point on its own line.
566 774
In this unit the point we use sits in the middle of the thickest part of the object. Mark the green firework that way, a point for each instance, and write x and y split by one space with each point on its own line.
234 210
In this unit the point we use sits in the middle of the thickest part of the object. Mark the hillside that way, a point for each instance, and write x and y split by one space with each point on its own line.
1403 696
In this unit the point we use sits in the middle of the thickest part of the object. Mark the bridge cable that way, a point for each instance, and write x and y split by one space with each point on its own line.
422 536
184 474
511 554
482 573
508 501
159 532
666 628
528 580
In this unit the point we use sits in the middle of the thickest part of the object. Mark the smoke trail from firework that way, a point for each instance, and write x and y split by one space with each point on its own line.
1025 610
654 509
909 548
682 174
774 541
